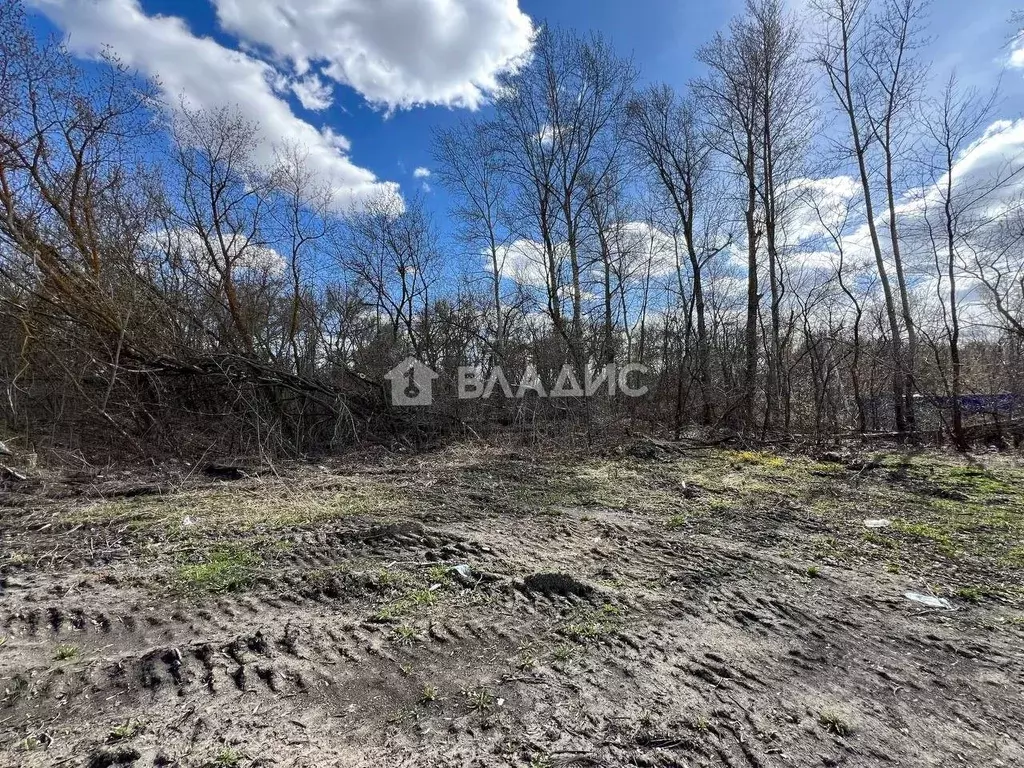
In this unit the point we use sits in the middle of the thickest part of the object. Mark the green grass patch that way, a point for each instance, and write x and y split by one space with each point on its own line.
480 699
676 522
940 536
406 635
1015 557
229 568
439 574
406 605
226 758
562 653
975 481
976 593
428 694
129 729
757 459
835 722
549 489
879 540
587 625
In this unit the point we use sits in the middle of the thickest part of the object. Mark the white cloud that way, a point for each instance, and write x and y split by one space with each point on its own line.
335 140
421 173
396 53
988 185
524 261
1017 54
313 93
644 240
250 258
987 170
809 202
209 76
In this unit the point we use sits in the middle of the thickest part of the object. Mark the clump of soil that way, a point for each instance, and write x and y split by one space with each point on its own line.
557 584
109 758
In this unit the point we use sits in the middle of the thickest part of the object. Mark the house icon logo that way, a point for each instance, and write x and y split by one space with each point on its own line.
412 383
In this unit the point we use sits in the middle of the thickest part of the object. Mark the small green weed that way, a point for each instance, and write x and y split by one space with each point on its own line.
927 531
66 652
406 635
127 730
835 722
226 569
226 758
676 522
480 699
562 653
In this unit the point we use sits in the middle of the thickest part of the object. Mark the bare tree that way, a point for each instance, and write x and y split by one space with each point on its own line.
996 264
892 94
673 144
390 247
558 130
835 221
74 208
845 28
303 221
786 119
608 221
224 204
730 93
957 216
469 166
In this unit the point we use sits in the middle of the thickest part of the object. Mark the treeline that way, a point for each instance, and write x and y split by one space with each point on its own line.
794 243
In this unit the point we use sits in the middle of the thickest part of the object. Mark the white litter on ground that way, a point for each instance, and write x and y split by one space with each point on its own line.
930 600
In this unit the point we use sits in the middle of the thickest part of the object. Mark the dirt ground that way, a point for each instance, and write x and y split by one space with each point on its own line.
644 607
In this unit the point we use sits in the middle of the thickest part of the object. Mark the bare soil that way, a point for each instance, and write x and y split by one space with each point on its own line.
652 607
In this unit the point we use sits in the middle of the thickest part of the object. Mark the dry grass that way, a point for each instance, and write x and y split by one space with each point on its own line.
939 503
266 505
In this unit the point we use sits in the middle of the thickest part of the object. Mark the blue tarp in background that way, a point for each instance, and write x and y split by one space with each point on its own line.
1001 403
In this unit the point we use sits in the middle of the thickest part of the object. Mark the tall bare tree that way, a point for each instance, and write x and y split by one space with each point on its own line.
786 115
303 221
892 95
224 204
390 247
730 93
676 147
846 34
559 131
958 217
469 166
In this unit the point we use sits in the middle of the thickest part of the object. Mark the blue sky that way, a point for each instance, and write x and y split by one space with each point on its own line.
386 142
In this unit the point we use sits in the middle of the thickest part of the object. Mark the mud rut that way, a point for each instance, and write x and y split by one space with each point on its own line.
692 649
